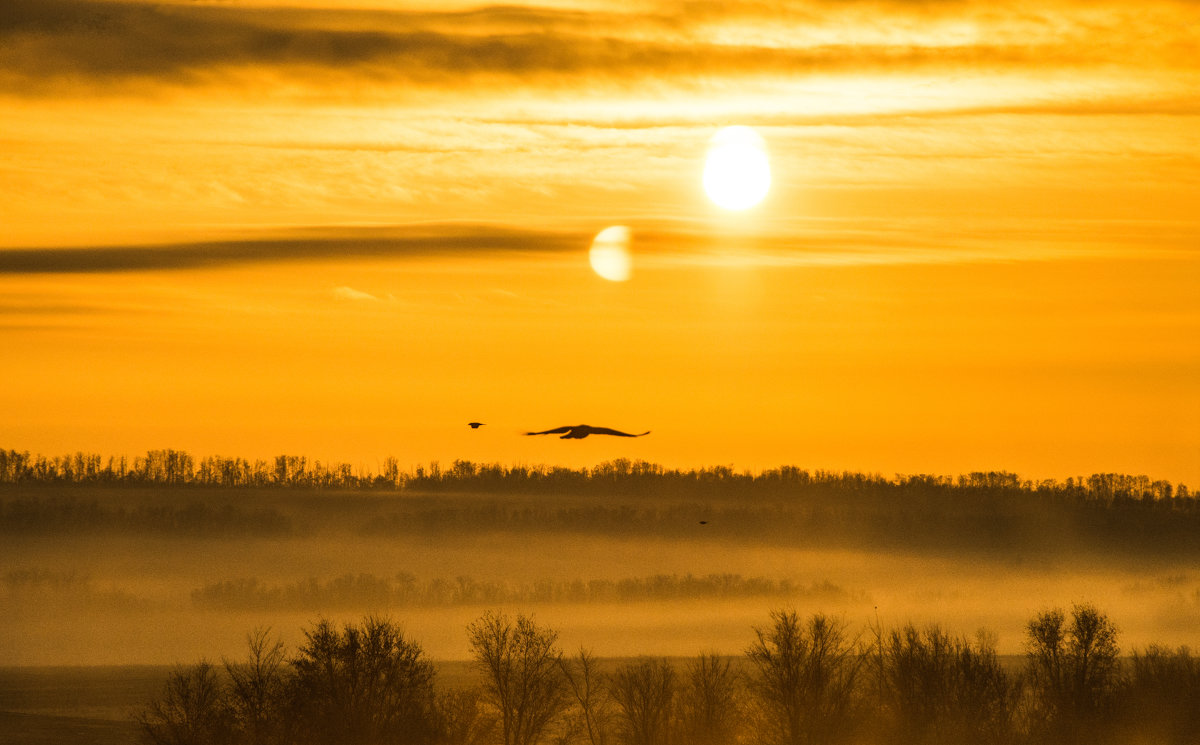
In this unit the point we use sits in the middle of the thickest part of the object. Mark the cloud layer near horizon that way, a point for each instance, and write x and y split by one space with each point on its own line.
51 47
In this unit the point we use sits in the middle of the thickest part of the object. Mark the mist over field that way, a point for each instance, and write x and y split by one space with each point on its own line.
626 562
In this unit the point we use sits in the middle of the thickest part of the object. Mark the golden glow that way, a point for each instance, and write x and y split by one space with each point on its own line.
737 174
976 218
609 254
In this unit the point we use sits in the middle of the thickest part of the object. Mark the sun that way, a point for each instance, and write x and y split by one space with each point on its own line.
737 174
609 255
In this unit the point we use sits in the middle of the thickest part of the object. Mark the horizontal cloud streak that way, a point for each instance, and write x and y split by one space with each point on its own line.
366 244
1181 106
353 295
61 41
27 308
662 244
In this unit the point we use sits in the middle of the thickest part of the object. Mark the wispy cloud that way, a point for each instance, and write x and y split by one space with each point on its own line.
349 293
48 44
48 308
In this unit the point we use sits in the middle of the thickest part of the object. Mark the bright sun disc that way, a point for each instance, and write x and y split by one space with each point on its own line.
737 174
610 254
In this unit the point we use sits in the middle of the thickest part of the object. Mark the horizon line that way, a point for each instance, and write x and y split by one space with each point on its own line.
98 465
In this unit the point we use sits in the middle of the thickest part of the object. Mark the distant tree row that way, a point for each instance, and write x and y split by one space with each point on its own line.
351 591
48 590
958 521
881 518
620 476
802 681
997 513
177 468
57 514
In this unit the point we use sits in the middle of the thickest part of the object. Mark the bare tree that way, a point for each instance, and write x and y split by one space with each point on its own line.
709 707
805 682
523 680
192 711
258 690
592 698
645 692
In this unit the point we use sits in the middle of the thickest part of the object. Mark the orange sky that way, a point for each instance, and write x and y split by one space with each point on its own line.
344 230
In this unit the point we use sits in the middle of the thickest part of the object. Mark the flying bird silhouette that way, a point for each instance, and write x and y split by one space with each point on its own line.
475 425
580 431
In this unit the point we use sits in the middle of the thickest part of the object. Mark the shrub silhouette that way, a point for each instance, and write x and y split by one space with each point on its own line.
935 688
1073 673
1161 702
645 694
806 681
364 684
710 709
193 710
463 719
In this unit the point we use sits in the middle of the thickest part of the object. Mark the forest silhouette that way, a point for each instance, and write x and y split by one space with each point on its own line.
996 513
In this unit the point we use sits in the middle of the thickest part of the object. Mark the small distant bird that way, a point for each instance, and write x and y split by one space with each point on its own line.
474 425
580 431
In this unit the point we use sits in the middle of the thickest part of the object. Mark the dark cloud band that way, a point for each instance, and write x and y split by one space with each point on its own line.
49 43
367 244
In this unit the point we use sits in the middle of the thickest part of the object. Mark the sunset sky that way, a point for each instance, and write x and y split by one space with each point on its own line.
345 229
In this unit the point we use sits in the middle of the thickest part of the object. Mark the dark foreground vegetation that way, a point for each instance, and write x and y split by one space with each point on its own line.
168 492
803 681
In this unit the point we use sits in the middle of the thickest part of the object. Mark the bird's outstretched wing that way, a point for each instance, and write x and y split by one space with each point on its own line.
617 432
555 431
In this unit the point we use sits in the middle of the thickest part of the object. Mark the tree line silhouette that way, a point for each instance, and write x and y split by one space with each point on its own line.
57 514
358 591
620 476
43 588
801 681
178 468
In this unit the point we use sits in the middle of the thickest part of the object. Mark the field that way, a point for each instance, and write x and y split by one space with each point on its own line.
74 704
93 705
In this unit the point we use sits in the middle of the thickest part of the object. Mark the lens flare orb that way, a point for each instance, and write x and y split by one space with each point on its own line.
609 256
